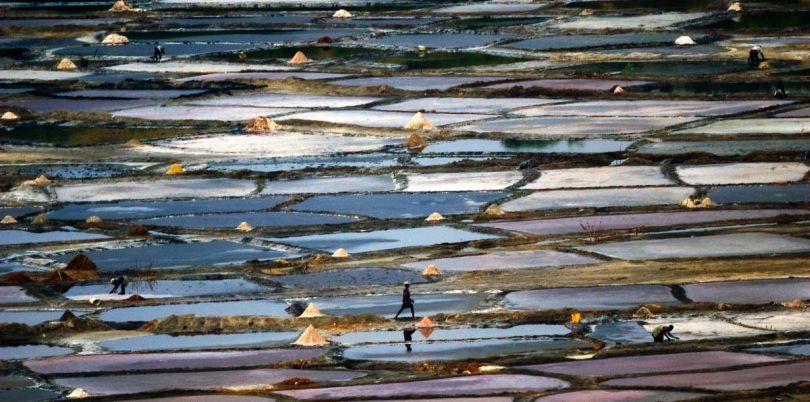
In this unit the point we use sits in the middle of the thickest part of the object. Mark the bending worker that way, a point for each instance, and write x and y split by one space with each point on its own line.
120 281
663 333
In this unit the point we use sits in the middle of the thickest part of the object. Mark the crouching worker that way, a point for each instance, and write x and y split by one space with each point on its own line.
120 281
663 333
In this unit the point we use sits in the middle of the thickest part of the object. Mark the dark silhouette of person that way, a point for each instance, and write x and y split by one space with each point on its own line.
407 333
407 302
780 92
158 53
120 281
755 56
663 333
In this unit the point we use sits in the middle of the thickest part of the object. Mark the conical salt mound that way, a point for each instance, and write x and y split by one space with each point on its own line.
120 6
426 332
494 210
617 90
434 217
262 124
42 181
342 14
415 141
311 337
8 220
67 316
736 7
431 270
798 303
81 262
93 219
65 65
299 58
9 116
764 65
311 311
643 312
706 203
244 227
425 323
684 41
115 39
340 253
175 168
134 142
586 12
419 122
40 219
78 393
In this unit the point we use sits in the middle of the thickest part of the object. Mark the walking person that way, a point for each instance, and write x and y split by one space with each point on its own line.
407 302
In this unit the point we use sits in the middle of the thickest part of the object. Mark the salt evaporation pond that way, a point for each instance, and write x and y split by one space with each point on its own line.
648 108
743 173
18 212
462 181
794 193
392 206
463 350
32 351
137 209
796 350
31 317
574 84
415 83
731 380
620 332
255 219
205 398
645 22
242 36
379 119
206 380
754 126
749 292
279 100
453 334
168 288
168 361
378 240
277 145
177 256
465 105
70 170
283 164
250 340
563 42
505 260
28 394
47 105
201 113
14 237
659 68
490 384
620 366
574 126
144 50
325 185
590 298
584 224
598 198
196 67
155 188
724 148
703 327
439 41
130 93
14 295
804 112
39 75
613 176
493 8
302 75
526 146
388 305
624 395
258 308
344 278
738 244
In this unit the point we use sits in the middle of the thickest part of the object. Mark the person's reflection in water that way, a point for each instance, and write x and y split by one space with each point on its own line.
407 333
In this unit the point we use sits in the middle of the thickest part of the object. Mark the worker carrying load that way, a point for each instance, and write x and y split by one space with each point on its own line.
663 333
120 281
756 56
